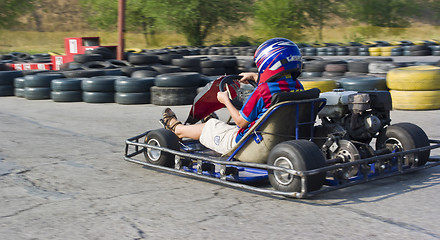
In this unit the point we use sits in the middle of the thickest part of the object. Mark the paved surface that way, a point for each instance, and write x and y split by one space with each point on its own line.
62 176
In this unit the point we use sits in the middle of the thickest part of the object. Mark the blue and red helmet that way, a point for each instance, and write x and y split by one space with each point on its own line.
277 57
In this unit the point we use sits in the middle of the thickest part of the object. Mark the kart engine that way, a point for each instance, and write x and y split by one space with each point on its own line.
349 121
360 115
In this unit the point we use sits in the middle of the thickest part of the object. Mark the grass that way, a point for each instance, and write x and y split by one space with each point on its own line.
40 42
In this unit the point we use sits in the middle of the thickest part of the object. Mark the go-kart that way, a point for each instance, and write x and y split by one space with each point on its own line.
306 143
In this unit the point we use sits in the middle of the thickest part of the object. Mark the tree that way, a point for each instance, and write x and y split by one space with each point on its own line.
195 19
318 12
380 13
12 9
280 18
140 15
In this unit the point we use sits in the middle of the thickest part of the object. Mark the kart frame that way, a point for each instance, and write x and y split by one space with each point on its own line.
134 147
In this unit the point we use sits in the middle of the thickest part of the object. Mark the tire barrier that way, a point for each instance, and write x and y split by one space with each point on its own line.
416 100
362 83
414 78
67 90
7 82
100 89
19 87
170 96
38 86
324 84
133 90
415 87
168 68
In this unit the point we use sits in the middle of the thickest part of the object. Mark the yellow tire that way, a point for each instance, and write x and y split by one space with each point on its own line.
134 50
414 78
416 100
325 85
375 51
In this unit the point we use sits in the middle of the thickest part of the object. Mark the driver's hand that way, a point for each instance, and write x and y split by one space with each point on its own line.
223 97
248 76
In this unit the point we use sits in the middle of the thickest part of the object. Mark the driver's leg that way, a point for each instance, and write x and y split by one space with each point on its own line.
189 131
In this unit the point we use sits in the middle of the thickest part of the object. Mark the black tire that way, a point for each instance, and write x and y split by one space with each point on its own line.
7 77
97 65
300 155
314 66
67 84
6 90
98 97
361 83
170 96
134 85
128 71
180 79
213 71
83 58
83 73
37 93
168 58
161 138
162 69
186 62
100 84
19 92
19 82
143 59
133 98
211 64
41 80
119 63
66 96
144 74
402 137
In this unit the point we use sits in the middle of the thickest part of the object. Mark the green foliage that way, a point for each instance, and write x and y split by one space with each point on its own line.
241 40
140 16
380 13
280 18
10 10
195 19
102 14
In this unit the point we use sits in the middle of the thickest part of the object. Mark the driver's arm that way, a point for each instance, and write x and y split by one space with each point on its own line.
223 97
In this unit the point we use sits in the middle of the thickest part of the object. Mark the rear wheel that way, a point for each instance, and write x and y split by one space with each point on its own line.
161 138
299 155
405 136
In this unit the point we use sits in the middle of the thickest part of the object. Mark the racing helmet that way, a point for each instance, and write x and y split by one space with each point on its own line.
277 57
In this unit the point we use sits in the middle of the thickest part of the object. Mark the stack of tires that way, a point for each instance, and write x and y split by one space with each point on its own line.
187 64
7 82
19 87
417 50
99 89
364 51
175 88
357 67
67 90
363 83
38 86
133 90
415 87
335 69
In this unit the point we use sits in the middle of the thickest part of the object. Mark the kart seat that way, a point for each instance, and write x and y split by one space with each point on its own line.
291 116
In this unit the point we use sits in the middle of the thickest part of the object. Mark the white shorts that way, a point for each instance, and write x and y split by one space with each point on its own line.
218 136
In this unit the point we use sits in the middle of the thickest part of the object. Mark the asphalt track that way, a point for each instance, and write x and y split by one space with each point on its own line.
62 176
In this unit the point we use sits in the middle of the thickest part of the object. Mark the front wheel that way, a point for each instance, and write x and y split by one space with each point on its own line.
299 155
405 136
161 138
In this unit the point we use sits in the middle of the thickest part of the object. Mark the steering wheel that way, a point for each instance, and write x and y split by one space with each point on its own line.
232 81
